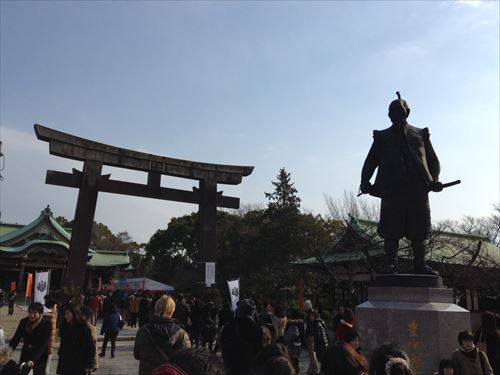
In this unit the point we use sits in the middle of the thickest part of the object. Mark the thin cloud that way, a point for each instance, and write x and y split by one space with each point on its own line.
472 3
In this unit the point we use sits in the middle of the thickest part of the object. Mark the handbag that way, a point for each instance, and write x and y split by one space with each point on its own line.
481 359
24 369
121 323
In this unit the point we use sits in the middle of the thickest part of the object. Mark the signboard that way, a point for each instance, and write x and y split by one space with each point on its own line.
209 273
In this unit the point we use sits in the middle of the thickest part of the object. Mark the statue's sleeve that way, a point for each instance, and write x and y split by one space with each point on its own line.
371 161
432 159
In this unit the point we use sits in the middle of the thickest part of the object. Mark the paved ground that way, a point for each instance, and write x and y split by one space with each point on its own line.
123 363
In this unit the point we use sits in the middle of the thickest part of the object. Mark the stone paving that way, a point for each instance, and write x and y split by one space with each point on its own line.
123 363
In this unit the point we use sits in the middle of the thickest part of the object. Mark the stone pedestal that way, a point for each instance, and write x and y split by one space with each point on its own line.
423 320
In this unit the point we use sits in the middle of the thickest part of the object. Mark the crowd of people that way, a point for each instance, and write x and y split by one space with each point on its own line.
180 336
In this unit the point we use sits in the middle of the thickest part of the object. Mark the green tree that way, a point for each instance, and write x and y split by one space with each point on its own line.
102 238
174 251
63 222
284 194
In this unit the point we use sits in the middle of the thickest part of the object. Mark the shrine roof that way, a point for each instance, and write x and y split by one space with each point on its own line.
108 259
45 231
45 217
7 228
20 249
360 239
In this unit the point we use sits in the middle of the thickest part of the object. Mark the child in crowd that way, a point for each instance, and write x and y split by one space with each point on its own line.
7 365
469 359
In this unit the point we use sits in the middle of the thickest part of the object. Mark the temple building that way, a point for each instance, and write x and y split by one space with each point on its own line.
469 264
44 245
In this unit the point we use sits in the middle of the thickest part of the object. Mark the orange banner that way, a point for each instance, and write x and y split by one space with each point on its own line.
29 285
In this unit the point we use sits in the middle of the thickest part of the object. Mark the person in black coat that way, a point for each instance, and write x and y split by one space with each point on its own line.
208 326
76 345
35 332
144 309
11 298
111 325
488 333
243 338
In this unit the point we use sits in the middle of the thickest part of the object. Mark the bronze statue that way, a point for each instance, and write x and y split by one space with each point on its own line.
408 169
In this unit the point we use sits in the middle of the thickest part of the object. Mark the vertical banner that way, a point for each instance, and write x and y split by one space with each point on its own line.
41 286
29 285
209 273
234 292
301 294
13 286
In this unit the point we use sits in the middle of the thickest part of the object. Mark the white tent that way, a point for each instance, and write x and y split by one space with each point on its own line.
143 283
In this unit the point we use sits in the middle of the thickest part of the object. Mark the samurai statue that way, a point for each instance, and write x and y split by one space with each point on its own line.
408 169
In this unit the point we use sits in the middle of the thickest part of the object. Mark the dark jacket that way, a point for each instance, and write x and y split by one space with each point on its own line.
320 338
399 152
10 368
182 313
240 341
35 343
110 322
492 348
156 341
76 349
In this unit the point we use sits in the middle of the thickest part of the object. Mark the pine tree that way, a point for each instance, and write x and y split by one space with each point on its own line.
285 194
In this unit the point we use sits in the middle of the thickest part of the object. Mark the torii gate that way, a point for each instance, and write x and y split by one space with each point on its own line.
90 182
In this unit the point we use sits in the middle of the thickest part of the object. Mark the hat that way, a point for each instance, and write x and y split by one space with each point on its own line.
399 103
246 307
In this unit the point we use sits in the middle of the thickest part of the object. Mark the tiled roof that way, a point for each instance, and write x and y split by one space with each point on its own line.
20 239
361 239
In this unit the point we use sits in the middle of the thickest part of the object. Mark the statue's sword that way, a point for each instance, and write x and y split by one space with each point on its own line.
446 185
452 183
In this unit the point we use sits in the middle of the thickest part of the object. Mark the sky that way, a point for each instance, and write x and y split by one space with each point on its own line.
299 85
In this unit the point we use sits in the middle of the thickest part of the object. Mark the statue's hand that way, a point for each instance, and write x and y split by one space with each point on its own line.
436 186
366 187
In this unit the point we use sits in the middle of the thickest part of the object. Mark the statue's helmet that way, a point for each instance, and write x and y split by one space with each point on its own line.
399 105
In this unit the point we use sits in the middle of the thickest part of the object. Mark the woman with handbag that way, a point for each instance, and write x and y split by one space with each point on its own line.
157 340
112 322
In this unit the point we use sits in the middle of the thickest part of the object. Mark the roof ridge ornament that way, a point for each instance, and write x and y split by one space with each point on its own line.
47 211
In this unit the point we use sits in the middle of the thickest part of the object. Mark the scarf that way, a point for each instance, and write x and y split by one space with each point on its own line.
30 326
471 354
